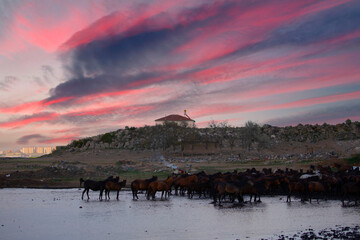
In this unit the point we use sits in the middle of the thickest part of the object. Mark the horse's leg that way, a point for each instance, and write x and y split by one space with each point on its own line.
219 199
135 194
117 195
136 191
82 196
87 193
176 190
215 197
232 198
101 194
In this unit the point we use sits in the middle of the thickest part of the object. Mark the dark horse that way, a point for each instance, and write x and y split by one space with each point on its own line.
141 184
350 189
96 186
113 186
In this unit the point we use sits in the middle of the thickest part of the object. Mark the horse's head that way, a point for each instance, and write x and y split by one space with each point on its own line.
170 179
116 179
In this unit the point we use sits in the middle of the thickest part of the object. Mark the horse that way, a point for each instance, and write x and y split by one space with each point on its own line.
163 186
259 186
313 187
96 186
141 184
296 187
184 182
113 186
200 187
222 188
348 189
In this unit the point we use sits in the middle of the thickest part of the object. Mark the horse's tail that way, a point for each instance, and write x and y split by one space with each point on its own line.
81 181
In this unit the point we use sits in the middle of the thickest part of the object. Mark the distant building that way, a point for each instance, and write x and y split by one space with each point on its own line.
37 150
178 119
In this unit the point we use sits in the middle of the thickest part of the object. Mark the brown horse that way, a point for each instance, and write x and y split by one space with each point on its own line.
350 189
250 190
113 186
184 182
141 184
201 187
225 188
315 187
163 186
296 187
259 186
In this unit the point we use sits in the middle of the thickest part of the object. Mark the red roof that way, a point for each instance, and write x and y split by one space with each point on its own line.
174 117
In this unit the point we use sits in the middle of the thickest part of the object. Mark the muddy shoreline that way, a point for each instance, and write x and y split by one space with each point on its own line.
339 232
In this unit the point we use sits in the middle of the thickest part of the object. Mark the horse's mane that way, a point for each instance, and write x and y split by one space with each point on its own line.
154 178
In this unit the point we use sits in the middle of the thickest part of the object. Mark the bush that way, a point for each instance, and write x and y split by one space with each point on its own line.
77 143
106 138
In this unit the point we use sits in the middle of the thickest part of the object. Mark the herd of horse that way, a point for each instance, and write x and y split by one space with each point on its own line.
317 182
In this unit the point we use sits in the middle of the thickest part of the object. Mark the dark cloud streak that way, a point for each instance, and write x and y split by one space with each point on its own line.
340 111
28 138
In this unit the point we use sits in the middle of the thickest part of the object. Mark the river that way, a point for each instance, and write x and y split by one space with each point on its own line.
59 214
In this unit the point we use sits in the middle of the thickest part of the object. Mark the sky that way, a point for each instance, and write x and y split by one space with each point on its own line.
73 69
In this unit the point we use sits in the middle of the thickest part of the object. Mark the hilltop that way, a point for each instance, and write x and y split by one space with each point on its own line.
250 141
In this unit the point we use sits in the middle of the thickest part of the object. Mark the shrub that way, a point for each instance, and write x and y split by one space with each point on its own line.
106 138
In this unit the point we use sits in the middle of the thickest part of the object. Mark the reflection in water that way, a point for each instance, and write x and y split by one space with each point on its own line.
61 214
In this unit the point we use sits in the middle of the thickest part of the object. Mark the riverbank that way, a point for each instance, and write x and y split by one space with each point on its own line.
65 169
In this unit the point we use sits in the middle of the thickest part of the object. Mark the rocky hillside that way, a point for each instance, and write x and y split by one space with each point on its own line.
221 137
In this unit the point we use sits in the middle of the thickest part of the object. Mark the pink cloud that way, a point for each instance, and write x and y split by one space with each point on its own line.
31 107
124 22
29 120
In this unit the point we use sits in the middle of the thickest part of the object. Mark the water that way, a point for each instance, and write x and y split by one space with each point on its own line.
61 214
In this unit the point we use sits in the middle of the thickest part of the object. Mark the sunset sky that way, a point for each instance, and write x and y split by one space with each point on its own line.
72 69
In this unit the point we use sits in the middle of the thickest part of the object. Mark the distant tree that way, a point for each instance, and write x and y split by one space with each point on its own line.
221 131
251 133
212 124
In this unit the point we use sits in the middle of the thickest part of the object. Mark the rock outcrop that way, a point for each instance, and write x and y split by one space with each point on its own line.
177 139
